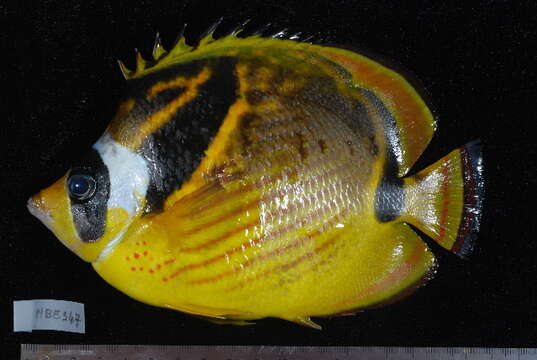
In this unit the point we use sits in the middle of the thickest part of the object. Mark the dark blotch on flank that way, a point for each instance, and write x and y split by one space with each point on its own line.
390 195
322 93
174 151
302 146
322 145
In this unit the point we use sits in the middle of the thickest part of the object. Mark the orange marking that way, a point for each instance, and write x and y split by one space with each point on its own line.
127 258
151 271
317 214
136 255
301 241
168 262
289 265
145 253
133 268
158 266
166 85
228 196
141 268
220 238
444 211
268 197
248 244
228 215
402 271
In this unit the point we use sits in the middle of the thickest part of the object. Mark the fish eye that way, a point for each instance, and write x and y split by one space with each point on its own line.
81 187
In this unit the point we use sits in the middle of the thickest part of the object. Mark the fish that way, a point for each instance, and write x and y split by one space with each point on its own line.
248 177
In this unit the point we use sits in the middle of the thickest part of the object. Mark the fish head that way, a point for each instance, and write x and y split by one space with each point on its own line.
91 207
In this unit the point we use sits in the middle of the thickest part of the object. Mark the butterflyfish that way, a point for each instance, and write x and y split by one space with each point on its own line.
253 177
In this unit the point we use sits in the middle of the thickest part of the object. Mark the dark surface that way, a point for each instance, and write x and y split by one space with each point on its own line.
475 62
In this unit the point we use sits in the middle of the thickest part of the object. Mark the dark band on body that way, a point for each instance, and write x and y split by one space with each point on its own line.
89 216
390 195
176 149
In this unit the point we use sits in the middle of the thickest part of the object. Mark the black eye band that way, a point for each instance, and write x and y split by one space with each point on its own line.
88 186
81 186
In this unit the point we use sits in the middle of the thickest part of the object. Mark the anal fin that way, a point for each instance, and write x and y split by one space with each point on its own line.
226 321
307 322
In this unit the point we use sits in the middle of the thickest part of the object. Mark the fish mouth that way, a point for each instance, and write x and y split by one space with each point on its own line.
36 208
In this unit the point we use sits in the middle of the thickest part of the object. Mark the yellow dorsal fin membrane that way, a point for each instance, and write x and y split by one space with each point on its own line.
124 70
445 200
207 36
140 62
239 28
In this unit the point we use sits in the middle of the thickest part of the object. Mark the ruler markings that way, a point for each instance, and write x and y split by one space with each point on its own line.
217 352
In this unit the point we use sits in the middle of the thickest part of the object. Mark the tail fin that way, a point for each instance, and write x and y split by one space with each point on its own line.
445 200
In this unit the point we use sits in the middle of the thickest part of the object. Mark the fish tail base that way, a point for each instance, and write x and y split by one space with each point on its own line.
445 200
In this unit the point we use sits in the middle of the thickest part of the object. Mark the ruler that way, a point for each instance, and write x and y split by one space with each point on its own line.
141 352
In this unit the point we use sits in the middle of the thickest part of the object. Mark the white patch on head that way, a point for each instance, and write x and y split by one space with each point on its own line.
129 179
128 174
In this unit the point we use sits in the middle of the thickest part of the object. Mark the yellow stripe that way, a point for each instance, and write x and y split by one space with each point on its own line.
215 154
159 118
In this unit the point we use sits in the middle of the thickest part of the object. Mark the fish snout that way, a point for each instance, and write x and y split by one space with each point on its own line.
37 208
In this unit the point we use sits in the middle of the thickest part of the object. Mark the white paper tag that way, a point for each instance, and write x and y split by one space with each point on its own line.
59 315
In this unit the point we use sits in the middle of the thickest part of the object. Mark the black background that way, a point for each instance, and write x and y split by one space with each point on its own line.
476 65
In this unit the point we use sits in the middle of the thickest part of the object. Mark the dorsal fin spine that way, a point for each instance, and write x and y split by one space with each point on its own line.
161 57
158 49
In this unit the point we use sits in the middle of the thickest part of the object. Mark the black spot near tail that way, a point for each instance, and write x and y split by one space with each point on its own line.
390 195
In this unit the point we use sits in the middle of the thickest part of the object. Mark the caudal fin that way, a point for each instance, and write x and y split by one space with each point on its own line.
445 200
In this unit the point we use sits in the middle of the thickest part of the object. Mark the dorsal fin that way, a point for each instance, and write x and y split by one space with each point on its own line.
180 50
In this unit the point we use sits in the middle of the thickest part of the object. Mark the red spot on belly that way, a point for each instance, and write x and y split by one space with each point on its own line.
141 268
136 255
158 266
133 268
164 279
151 271
145 253
168 262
